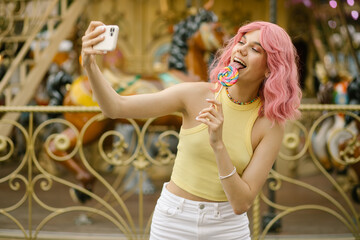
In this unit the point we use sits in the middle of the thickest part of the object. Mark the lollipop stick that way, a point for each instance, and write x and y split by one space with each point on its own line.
217 94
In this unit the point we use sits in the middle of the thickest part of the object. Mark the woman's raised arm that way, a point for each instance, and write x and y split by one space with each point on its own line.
112 104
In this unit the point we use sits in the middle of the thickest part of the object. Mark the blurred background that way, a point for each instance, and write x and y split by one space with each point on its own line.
67 172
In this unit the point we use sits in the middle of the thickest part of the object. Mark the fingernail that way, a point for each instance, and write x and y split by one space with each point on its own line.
197 118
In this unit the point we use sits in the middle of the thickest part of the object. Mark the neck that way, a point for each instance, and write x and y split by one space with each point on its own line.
243 94
240 102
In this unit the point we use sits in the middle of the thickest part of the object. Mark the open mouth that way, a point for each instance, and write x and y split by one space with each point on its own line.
239 64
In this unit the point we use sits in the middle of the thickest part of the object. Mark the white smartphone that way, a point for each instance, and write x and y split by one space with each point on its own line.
110 40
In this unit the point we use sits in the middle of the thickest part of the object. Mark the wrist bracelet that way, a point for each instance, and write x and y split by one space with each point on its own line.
232 173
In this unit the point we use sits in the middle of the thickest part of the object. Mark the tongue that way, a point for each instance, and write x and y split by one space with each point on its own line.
236 65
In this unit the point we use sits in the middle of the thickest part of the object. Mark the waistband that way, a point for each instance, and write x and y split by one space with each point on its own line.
183 204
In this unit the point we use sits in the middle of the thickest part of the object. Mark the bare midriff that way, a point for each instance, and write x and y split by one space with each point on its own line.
175 189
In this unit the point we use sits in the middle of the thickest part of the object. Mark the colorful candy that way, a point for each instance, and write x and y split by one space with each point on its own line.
228 76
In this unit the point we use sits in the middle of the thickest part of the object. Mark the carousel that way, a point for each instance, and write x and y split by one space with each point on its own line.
68 171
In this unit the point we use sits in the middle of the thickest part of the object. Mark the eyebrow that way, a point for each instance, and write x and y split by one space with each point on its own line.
257 43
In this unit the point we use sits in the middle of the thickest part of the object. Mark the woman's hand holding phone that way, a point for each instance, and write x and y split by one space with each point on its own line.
110 38
98 39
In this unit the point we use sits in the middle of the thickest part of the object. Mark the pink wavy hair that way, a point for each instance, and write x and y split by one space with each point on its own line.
280 92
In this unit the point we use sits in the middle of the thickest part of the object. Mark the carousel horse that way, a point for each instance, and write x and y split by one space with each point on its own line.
205 38
333 92
336 134
349 149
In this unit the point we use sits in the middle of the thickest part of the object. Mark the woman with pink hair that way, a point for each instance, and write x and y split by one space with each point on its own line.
230 136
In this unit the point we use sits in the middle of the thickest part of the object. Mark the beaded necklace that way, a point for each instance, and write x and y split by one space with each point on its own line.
238 102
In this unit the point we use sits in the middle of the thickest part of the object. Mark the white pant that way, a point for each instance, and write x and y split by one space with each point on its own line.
176 218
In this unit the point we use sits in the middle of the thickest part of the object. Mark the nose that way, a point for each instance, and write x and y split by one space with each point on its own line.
242 50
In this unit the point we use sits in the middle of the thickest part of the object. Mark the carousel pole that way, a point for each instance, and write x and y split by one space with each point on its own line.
273 11
348 34
276 227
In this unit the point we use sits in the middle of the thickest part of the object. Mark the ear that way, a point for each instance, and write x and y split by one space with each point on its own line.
267 73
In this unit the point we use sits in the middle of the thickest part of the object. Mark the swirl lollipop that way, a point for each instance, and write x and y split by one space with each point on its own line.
227 77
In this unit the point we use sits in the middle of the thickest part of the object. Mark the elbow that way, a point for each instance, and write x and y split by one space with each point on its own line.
109 114
112 108
240 209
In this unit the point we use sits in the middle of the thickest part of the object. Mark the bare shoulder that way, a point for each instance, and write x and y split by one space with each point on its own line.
265 130
193 96
266 126
193 92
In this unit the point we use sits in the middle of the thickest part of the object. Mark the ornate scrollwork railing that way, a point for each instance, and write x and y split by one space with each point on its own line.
128 152
298 144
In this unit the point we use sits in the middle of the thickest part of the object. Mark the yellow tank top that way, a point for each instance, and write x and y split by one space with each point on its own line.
195 169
